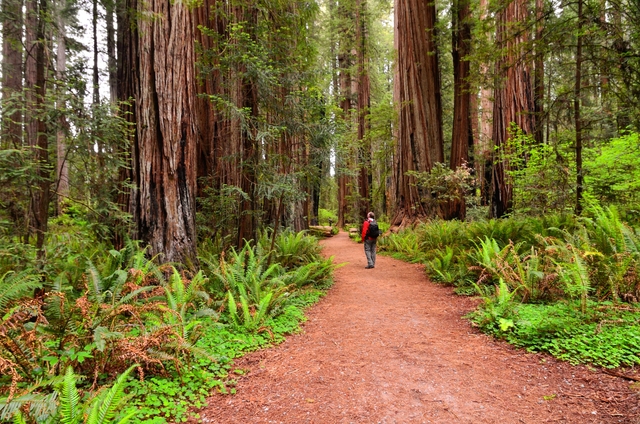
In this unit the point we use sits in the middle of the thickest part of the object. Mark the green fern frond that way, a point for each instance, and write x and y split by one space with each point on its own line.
261 313
246 315
233 309
96 285
18 418
105 406
69 411
40 406
14 287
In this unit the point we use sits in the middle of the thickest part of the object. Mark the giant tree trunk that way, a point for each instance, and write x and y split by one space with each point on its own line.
12 18
363 105
417 94
159 69
513 98
462 131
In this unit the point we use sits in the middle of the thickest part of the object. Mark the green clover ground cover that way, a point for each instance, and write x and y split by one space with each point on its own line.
171 399
606 336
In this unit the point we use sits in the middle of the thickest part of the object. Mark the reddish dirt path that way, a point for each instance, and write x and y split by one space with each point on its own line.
387 346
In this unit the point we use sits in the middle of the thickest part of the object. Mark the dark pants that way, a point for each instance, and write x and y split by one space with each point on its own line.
370 252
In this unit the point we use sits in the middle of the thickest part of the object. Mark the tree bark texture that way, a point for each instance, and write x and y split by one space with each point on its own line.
249 148
160 72
226 148
35 78
539 74
110 10
420 141
483 142
210 123
513 98
363 105
347 91
62 167
462 132
12 19
127 80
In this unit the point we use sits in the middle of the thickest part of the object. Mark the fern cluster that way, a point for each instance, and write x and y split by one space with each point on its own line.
95 313
516 261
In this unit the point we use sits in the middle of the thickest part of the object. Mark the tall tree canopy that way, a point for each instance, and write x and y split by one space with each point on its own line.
218 120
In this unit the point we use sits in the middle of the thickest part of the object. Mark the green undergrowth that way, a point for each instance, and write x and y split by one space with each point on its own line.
607 335
106 316
561 284
173 398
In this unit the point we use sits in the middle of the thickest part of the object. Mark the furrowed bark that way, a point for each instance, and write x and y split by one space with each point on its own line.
513 97
160 76
462 132
417 92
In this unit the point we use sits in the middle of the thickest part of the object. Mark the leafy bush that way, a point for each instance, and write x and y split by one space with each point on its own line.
326 216
612 171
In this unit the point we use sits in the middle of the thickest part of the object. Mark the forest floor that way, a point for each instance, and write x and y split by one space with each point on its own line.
388 346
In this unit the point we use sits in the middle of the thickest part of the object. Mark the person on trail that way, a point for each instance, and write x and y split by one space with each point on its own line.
370 234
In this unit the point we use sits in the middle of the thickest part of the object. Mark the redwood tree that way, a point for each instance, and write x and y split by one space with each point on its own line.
35 78
157 69
417 94
12 18
462 131
362 108
346 92
513 95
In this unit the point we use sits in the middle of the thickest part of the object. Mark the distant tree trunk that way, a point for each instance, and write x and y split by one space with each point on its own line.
30 71
96 75
513 98
247 229
127 70
539 74
363 106
209 122
419 144
483 143
462 131
159 66
576 110
62 190
110 6
35 73
346 92
12 18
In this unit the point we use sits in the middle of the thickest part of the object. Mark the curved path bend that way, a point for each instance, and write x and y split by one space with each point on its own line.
387 346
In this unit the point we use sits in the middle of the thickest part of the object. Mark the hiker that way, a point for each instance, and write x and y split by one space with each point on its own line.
370 232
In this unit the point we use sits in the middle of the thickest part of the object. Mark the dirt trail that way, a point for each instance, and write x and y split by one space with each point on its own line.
387 346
